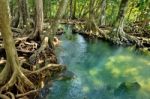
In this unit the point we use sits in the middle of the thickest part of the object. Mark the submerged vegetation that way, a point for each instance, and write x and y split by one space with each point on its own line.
30 32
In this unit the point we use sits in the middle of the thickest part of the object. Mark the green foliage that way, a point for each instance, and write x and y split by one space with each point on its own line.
137 9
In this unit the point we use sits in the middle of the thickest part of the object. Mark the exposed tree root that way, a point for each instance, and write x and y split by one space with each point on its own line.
11 95
125 39
23 84
16 76
22 79
49 66
27 93
10 83
34 57
5 75
2 96
8 95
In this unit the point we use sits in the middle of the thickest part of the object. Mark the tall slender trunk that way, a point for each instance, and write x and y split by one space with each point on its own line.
9 45
71 4
39 16
74 9
49 9
103 15
23 10
59 14
119 23
11 74
90 25
11 4
38 21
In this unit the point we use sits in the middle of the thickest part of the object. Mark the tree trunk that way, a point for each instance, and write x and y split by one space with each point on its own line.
23 12
15 20
38 21
47 41
58 16
11 72
47 8
119 23
90 22
74 10
103 16
71 9
12 57
11 4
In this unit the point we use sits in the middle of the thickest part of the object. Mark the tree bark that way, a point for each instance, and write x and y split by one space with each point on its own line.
23 12
119 22
58 16
38 21
71 4
12 71
39 16
11 54
103 16
47 8
74 10
90 24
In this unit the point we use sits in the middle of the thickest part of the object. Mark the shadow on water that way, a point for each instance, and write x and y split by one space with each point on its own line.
100 69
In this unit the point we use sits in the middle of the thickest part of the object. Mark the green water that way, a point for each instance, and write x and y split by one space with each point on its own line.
99 68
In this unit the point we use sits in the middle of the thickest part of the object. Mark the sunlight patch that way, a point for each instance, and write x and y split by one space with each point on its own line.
85 89
132 71
116 72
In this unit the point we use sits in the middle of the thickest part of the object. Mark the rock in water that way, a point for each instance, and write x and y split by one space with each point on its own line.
127 88
66 75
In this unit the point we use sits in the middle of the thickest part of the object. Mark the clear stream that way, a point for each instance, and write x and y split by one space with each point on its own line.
99 68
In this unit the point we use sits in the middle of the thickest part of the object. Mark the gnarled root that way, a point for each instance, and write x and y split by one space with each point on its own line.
8 95
2 96
10 83
27 93
49 66
17 78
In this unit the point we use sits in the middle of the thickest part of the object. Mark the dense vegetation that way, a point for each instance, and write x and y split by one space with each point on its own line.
28 27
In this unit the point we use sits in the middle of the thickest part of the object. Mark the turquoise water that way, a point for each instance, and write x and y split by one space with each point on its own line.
99 69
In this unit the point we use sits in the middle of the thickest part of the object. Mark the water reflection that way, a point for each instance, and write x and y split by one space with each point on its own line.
99 69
